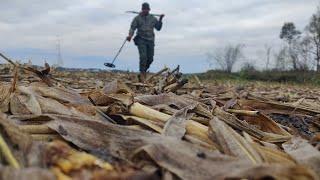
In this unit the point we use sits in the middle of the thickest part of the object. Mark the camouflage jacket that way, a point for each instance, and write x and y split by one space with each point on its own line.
145 26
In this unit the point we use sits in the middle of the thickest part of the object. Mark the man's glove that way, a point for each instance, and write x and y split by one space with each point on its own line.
129 38
161 17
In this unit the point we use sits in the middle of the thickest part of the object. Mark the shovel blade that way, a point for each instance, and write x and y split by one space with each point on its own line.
110 65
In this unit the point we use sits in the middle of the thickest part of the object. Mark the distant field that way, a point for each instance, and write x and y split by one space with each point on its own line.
289 77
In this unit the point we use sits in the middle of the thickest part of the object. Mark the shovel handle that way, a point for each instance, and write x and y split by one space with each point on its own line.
135 12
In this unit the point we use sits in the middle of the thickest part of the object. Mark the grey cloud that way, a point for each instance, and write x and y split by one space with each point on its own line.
191 27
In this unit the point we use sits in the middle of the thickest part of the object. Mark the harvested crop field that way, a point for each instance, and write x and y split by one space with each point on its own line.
107 125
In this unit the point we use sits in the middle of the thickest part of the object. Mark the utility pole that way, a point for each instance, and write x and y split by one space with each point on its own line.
59 56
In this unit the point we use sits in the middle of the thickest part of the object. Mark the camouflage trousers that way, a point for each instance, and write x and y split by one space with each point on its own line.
146 52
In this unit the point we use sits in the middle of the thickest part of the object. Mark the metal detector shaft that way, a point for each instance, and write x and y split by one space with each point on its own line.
114 59
136 12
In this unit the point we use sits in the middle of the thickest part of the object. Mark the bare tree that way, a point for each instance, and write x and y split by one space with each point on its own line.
226 57
290 35
314 32
303 50
281 59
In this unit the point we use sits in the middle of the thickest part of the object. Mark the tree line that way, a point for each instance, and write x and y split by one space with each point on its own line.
300 52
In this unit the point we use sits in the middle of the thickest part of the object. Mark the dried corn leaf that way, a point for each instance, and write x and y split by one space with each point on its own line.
176 125
193 128
190 163
24 104
279 172
231 143
50 106
60 94
116 87
303 152
234 122
168 99
33 173
109 139
100 138
274 107
270 155
266 124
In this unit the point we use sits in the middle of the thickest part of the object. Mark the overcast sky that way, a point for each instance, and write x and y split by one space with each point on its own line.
92 31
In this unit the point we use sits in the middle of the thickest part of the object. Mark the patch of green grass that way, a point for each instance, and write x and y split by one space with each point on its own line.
284 77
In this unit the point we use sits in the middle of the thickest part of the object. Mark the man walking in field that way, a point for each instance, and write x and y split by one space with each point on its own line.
145 23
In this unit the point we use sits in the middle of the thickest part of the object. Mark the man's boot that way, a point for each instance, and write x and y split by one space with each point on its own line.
142 77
